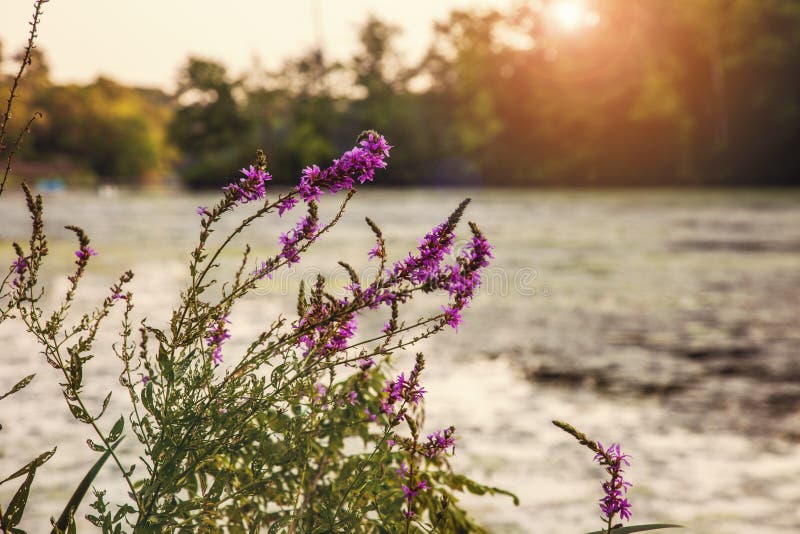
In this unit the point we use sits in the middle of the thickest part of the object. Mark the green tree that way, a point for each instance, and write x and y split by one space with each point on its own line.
209 126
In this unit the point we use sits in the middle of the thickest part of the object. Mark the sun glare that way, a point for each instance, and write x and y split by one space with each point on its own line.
572 15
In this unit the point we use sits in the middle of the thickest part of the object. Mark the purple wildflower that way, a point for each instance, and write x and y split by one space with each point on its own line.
119 295
216 335
463 279
84 252
401 388
376 251
325 335
614 502
394 393
305 229
439 442
250 187
426 266
403 471
20 265
411 493
203 211
265 268
452 316
308 191
285 205
358 164
342 334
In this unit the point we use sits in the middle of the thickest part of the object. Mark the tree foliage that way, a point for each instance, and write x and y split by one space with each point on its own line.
655 92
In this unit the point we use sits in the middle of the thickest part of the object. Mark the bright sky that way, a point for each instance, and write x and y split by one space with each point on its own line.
144 42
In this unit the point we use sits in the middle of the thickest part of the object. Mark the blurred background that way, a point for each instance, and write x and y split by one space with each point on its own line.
560 93
634 163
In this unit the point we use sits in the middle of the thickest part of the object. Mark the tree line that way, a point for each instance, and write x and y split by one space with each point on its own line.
655 93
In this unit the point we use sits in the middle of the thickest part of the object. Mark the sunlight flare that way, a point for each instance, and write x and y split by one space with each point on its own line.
572 15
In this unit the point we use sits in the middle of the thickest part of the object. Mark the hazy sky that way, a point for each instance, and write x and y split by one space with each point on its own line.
144 42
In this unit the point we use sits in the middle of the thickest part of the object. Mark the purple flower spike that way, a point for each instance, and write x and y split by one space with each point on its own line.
439 442
251 187
614 503
285 205
20 265
305 229
452 316
216 335
356 165
84 252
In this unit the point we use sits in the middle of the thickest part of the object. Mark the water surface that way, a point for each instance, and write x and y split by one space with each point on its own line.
666 320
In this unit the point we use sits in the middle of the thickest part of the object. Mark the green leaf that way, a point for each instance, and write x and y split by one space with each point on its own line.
124 510
13 514
39 460
165 363
18 386
79 413
65 518
97 447
105 405
637 528
116 430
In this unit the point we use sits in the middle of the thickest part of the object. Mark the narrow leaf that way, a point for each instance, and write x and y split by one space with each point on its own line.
105 405
66 516
97 447
116 430
637 528
18 386
39 460
13 514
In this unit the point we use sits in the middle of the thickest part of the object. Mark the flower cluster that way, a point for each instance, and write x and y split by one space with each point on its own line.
325 336
427 268
401 388
84 253
20 267
305 229
614 502
439 442
286 204
358 164
216 335
252 186
463 279
410 493
427 264
409 487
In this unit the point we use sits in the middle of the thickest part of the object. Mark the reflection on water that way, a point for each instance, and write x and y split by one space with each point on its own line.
664 320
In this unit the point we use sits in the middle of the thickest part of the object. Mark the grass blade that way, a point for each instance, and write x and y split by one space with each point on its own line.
69 510
637 528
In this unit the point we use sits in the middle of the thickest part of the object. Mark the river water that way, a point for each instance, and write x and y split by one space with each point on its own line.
664 320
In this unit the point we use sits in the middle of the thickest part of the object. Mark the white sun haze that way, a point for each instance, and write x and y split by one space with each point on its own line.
571 15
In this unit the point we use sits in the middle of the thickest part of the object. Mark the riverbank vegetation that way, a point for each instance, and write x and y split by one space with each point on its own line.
653 93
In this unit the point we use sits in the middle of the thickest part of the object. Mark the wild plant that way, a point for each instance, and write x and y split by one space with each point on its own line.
309 428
